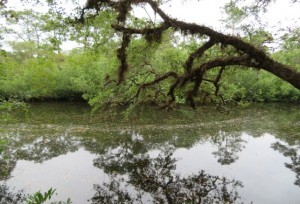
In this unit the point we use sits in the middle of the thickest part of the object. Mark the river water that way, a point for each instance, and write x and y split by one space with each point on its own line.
245 155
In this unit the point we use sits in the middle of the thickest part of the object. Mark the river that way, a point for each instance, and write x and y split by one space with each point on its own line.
246 154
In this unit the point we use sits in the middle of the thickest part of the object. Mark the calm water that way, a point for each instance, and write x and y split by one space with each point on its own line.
249 154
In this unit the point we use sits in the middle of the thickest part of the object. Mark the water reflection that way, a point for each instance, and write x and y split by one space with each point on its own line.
155 159
294 155
72 175
33 148
229 146
139 168
7 165
7 196
154 180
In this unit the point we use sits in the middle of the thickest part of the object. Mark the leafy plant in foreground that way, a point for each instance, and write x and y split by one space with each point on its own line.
39 198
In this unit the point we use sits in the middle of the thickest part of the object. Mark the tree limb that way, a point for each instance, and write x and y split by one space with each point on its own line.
246 55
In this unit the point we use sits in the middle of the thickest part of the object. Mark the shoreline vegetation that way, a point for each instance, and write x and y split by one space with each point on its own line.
30 80
157 68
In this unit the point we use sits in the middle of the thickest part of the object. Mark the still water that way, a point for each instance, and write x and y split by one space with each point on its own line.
247 155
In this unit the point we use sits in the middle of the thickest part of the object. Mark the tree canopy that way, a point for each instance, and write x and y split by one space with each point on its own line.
202 57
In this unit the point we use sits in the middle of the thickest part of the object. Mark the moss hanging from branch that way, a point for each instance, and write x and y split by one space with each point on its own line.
243 54
122 56
197 54
123 10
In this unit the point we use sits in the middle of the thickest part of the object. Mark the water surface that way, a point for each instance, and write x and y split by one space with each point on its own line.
153 156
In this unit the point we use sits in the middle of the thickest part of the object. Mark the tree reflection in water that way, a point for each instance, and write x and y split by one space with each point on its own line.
293 154
142 178
7 196
229 145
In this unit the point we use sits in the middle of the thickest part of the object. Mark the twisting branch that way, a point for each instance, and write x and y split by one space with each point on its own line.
259 56
151 34
192 93
123 9
197 74
246 55
155 81
172 89
217 80
197 54
95 4
216 83
243 60
122 56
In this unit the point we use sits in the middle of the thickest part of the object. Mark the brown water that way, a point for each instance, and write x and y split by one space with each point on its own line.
149 156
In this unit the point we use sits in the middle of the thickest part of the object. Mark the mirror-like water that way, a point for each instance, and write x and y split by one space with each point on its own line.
148 156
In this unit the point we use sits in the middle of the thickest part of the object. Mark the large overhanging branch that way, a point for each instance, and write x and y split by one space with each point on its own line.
197 54
259 56
246 55
196 76
156 81
216 81
122 56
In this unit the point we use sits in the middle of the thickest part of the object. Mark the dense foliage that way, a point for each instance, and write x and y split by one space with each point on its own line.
36 68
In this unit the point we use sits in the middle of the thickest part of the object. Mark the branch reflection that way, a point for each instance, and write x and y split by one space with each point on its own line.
229 145
8 196
37 149
145 178
293 154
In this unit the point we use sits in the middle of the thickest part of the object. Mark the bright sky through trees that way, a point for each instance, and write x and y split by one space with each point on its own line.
209 12
279 15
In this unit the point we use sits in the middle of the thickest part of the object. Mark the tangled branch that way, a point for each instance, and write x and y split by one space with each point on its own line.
246 55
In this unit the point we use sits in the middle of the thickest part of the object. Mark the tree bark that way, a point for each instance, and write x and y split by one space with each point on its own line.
245 54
